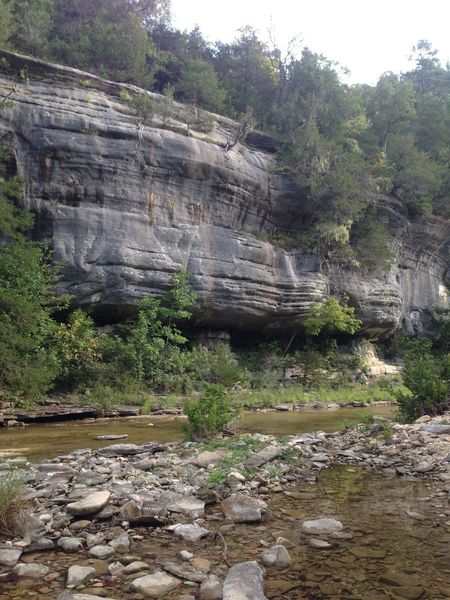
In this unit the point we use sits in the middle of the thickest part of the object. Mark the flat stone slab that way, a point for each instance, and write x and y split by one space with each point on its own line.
89 505
244 581
322 526
112 436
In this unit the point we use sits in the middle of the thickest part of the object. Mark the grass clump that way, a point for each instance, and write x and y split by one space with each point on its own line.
13 505
210 414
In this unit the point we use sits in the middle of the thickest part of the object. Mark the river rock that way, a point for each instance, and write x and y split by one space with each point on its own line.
135 567
436 428
188 532
101 552
211 588
120 450
31 570
70 544
116 567
204 459
190 506
264 456
70 596
112 436
76 575
276 557
9 556
241 508
319 544
366 552
423 467
185 571
90 504
244 581
121 543
155 585
323 526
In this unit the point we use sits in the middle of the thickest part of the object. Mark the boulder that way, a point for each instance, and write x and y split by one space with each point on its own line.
70 544
102 552
263 456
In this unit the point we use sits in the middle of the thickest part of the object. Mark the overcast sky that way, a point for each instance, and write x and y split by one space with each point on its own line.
367 37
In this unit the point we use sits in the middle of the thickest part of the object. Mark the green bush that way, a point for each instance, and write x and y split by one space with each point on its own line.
427 378
331 317
13 505
210 414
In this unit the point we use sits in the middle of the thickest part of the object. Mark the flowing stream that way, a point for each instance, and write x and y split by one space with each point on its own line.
399 548
40 442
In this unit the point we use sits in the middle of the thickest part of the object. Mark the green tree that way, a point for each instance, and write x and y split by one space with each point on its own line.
331 317
198 84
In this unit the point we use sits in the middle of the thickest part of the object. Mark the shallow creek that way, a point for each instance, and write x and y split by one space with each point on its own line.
40 442
390 556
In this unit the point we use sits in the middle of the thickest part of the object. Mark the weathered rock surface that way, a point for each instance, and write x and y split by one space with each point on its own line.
322 526
241 508
155 585
90 504
126 209
77 575
32 571
276 557
188 532
9 556
244 582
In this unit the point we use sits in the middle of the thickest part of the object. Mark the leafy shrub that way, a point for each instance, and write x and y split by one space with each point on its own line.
13 505
428 380
210 414
331 317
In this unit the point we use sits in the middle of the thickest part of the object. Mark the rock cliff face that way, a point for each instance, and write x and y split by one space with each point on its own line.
125 206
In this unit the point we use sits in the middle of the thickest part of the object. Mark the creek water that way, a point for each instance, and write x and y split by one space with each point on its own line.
400 529
391 555
40 442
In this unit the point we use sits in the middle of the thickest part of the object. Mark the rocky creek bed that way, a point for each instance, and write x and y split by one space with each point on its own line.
362 514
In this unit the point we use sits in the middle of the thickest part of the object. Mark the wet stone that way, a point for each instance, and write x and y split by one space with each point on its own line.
9 556
101 552
190 533
276 557
242 509
155 585
76 575
323 526
244 581
33 570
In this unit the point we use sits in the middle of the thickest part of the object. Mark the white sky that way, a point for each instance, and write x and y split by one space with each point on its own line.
368 37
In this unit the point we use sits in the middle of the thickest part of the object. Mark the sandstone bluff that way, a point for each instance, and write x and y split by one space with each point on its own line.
125 206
